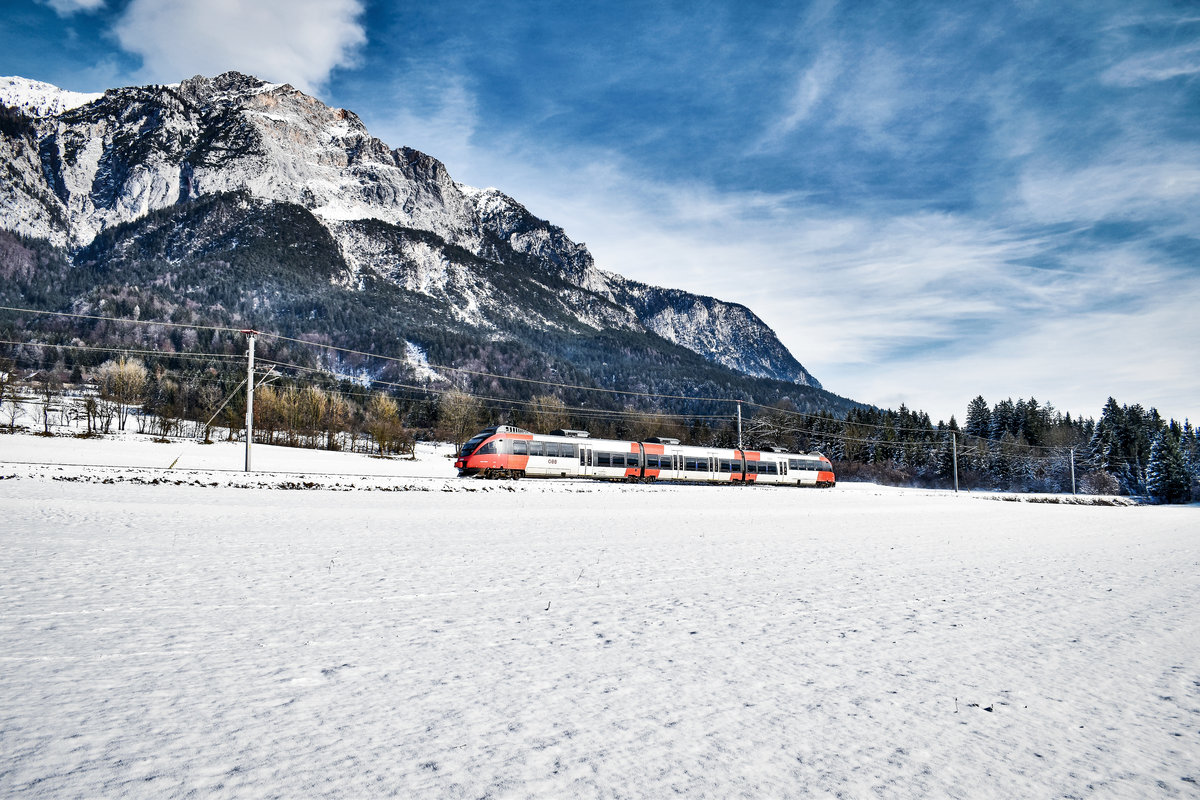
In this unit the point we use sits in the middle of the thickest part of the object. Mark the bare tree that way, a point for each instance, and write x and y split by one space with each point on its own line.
458 416
49 395
547 412
335 420
91 410
10 399
207 397
123 382
383 422
312 405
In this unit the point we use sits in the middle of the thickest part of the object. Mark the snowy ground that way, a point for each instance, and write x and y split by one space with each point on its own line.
205 636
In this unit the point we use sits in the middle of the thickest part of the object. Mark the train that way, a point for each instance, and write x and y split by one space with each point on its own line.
506 451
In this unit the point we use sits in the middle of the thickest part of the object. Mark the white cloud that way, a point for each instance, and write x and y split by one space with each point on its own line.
1183 60
65 8
1148 188
294 41
1076 361
444 131
812 87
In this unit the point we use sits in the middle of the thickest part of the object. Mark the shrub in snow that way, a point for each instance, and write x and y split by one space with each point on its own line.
1099 482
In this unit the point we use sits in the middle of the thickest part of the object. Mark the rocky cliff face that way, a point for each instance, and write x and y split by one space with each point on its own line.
78 165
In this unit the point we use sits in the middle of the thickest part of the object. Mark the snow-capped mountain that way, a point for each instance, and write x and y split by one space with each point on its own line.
80 166
38 99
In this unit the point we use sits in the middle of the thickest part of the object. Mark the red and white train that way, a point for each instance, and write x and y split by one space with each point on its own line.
509 452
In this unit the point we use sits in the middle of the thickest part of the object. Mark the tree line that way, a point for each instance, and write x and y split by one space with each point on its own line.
1021 445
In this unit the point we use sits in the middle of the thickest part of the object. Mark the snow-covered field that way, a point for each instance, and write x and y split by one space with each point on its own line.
193 632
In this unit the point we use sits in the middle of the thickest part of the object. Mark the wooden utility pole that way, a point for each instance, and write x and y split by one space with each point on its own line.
249 393
954 447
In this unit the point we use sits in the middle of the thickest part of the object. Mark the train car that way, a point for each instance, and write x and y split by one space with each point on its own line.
510 452
506 451
783 468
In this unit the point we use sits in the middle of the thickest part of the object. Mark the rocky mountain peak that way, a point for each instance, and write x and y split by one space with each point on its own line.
38 99
99 162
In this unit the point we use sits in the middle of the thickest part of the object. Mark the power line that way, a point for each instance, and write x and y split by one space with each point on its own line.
127 350
121 319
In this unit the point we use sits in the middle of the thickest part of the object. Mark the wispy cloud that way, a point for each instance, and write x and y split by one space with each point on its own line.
1164 65
443 125
812 86
66 8
294 41
1162 189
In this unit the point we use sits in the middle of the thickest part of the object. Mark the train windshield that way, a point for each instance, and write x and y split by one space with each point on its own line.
470 446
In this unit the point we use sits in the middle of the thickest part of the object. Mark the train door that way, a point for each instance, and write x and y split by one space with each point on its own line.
585 460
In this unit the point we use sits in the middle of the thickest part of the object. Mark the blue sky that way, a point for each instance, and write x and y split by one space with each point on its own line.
927 201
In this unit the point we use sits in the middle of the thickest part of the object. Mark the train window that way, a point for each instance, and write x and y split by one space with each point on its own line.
552 449
566 450
772 468
488 449
536 448
603 459
520 447
470 446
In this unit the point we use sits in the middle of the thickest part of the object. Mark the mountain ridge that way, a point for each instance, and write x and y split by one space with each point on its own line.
81 165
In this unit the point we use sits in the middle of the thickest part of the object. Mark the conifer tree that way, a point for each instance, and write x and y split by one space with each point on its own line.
1168 479
979 418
